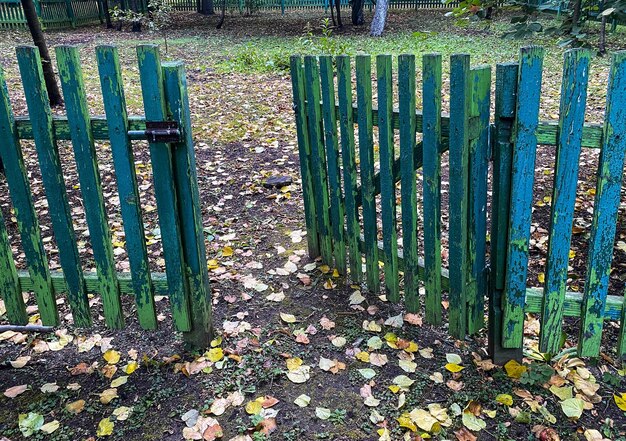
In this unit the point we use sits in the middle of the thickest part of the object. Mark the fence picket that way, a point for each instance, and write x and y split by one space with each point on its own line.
571 120
478 165
10 290
406 93
460 95
27 222
52 175
320 179
346 124
366 156
151 77
72 83
124 163
387 178
304 152
431 78
332 159
522 179
606 206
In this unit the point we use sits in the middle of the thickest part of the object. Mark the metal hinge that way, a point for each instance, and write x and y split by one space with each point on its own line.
158 131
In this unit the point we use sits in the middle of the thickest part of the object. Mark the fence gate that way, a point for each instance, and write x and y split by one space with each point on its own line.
167 128
345 203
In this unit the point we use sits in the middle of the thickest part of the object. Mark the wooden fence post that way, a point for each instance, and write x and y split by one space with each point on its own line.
502 151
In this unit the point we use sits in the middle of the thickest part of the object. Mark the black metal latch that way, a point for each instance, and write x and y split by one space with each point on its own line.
158 131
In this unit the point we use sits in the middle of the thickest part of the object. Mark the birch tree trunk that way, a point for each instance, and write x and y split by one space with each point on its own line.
380 17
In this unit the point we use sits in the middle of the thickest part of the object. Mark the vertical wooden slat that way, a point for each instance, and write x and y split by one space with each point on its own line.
460 95
124 163
606 206
54 183
571 120
320 179
366 156
346 124
406 94
79 121
478 165
522 179
431 97
10 290
387 178
27 222
188 194
506 89
332 159
304 152
151 77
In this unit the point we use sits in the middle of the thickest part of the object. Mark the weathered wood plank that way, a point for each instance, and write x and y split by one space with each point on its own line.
124 163
460 95
318 156
188 196
332 160
571 120
479 164
10 290
606 206
351 201
165 192
61 129
304 152
431 83
54 184
406 93
522 179
387 178
27 222
73 86
366 155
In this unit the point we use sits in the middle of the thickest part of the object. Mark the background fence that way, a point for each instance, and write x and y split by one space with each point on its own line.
54 14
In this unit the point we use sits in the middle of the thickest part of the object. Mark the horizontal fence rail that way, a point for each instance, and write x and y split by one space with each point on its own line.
350 206
172 159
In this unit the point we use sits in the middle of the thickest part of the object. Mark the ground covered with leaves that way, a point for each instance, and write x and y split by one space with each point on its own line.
299 353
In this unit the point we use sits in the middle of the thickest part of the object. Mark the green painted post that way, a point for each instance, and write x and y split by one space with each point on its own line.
186 179
54 183
506 98
153 93
350 189
332 159
571 121
522 179
10 290
479 165
460 95
387 178
124 163
27 222
431 128
72 83
304 152
366 154
406 94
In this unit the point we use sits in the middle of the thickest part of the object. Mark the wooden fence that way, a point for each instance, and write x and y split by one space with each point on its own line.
165 99
334 189
54 14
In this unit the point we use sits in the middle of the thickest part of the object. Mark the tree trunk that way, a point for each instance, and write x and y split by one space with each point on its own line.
332 13
54 95
338 7
223 17
380 17
107 14
602 43
206 7
576 13
357 12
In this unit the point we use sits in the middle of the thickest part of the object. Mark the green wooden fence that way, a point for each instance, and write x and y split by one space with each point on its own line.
334 189
54 14
164 90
